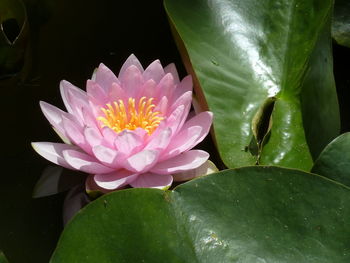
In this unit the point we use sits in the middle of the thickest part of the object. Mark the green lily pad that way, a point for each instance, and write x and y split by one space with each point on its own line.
243 53
251 214
334 161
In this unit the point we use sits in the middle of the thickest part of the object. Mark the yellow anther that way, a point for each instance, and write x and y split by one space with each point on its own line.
120 117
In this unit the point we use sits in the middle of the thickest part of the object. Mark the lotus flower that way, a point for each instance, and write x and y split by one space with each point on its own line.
128 130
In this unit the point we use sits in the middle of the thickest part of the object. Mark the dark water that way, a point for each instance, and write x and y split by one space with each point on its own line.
65 40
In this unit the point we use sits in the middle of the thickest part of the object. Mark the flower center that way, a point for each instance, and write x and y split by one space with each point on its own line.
119 117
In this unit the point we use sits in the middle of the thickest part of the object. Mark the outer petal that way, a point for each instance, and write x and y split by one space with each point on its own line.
149 180
192 133
75 134
183 162
154 71
74 98
206 168
53 152
114 180
84 162
141 161
96 94
105 77
184 86
172 70
130 61
54 116
174 119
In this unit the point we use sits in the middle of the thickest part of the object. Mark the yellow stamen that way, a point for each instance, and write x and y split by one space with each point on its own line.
120 117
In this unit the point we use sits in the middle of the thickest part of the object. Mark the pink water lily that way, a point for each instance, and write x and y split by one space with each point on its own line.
127 130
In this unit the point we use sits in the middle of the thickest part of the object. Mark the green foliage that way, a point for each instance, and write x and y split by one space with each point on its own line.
251 214
334 161
245 52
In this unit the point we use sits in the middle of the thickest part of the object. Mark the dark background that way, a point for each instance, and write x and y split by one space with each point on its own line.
67 40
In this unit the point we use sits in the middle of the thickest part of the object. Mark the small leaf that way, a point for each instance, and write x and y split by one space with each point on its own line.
334 161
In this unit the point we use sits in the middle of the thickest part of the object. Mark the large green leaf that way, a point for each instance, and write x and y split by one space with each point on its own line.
341 22
244 52
251 214
334 161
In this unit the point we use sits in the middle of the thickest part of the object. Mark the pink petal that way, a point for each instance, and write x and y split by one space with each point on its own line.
175 118
172 70
92 136
154 71
84 162
159 140
54 116
109 136
185 99
89 118
53 152
165 87
183 141
73 97
75 134
162 106
141 161
128 142
149 180
97 95
206 168
183 162
108 156
132 81
192 133
148 89
130 61
117 93
105 77
114 180
184 86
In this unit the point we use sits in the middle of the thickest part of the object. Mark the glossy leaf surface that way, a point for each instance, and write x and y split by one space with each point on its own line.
251 214
334 161
244 52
